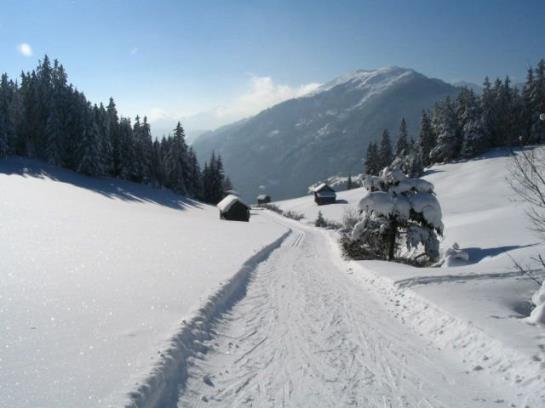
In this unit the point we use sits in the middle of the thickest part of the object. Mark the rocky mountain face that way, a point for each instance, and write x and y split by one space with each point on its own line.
285 148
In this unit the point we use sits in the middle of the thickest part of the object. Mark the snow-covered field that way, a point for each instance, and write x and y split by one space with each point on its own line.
113 294
477 309
96 277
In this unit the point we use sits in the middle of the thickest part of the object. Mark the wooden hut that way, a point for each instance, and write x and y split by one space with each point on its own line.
263 199
232 208
323 194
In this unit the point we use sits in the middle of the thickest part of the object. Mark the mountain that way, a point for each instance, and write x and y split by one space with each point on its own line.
285 148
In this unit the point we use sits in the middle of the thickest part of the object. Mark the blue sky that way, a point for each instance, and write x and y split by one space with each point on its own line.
225 59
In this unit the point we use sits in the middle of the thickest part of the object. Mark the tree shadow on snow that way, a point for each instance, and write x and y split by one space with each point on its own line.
478 254
106 186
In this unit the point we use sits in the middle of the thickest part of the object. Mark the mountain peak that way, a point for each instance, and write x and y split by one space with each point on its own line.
363 78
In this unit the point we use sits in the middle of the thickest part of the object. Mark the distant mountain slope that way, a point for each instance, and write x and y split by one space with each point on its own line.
287 147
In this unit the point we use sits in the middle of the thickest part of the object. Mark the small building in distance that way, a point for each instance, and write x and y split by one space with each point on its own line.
263 199
233 209
323 194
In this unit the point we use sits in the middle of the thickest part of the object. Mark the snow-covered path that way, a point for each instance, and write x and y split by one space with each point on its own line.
308 334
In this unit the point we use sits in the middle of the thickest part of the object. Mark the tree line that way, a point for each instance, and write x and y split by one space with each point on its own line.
43 116
467 125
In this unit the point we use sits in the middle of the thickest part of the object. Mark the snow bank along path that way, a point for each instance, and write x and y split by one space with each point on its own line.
308 333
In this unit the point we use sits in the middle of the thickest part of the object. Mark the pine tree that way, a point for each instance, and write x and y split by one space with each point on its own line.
54 139
90 163
538 104
113 135
213 180
445 124
126 150
372 162
396 211
385 150
349 184
470 121
402 144
146 151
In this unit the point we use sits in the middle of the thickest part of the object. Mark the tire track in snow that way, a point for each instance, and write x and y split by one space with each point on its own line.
306 335
168 378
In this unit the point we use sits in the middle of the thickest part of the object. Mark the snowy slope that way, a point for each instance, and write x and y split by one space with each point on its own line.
477 309
96 277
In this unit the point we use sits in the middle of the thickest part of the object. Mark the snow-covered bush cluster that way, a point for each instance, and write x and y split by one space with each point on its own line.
398 211
538 313
454 256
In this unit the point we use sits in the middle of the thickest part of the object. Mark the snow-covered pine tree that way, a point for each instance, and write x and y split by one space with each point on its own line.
372 165
488 112
385 154
470 121
427 138
396 211
445 125
402 144
410 162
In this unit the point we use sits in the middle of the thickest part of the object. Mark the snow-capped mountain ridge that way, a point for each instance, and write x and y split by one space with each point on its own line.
322 133
366 78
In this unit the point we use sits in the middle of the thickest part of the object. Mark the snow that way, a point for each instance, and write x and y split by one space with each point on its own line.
454 256
225 204
317 188
98 277
428 205
477 310
113 293
310 334
538 313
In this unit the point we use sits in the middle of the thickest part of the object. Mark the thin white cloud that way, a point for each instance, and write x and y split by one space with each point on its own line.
25 49
262 94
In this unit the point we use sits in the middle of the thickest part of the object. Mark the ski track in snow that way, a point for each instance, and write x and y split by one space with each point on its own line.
308 335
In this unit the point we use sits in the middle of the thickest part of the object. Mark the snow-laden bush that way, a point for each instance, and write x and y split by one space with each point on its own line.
320 220
538 313
397 211
454 256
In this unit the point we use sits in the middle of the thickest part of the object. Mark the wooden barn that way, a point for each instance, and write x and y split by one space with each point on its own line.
233 209
263 199
323 194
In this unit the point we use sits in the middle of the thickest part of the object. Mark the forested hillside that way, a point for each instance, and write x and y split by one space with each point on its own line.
43 116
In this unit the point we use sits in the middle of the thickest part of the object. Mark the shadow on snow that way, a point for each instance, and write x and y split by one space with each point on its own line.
106 186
